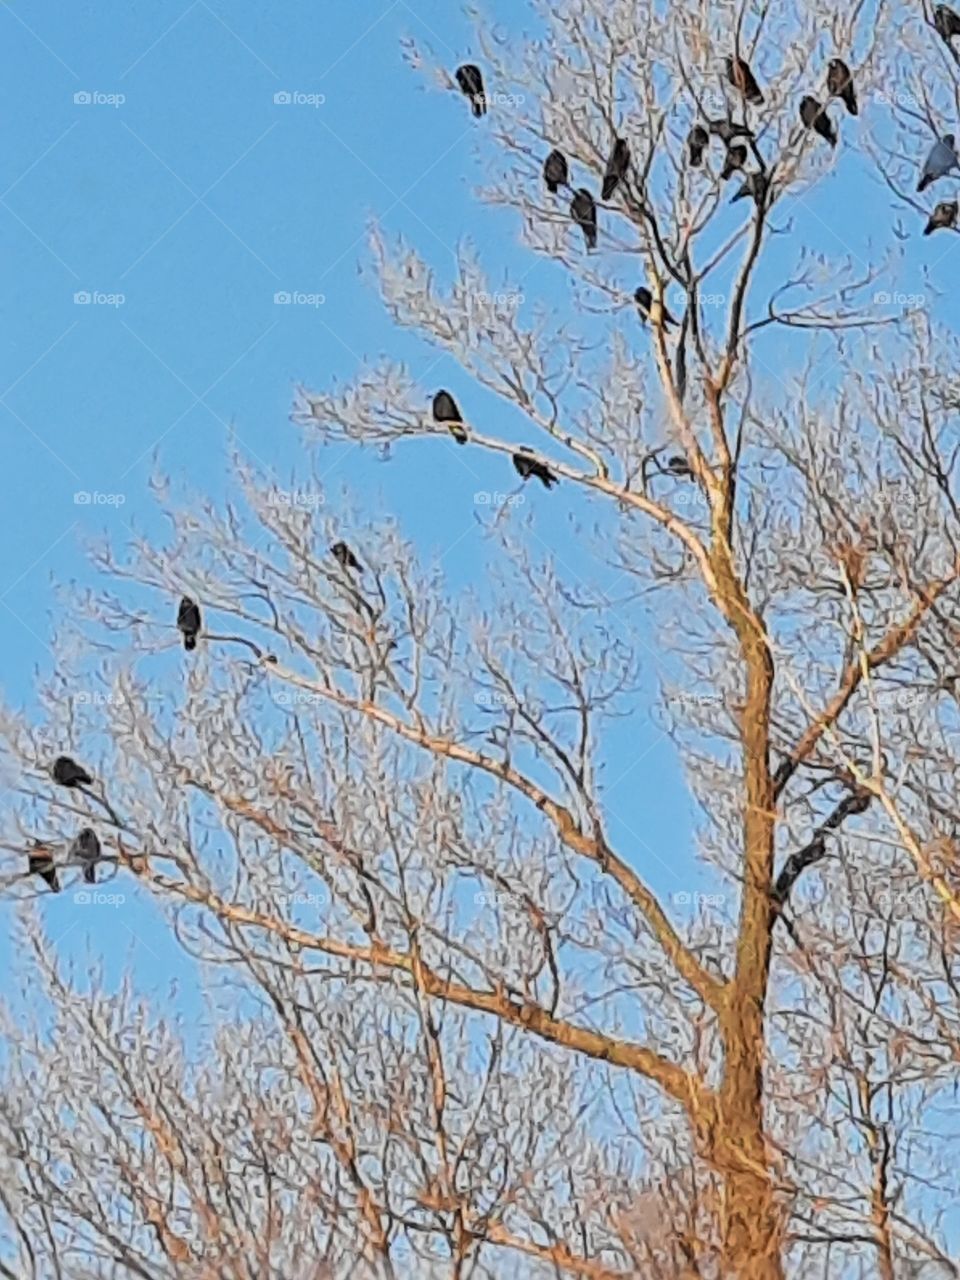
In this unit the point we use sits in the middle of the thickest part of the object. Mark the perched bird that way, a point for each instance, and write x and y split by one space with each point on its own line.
697 142
345 557
446 412
527 465
840 84
727 131
617 166
677 466
946 22
470 80
736 159
939 162
755 186
40 861
86 850
188 621
70 774
742 79
556 172
650 310
944 215
815 118
583 210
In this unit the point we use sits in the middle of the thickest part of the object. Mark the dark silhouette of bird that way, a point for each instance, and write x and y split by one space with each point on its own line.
617 166
755 186
470 80
86 851
727 131
527 465
840 84
41 863
650 310
940 160
345 557
697 142
736 159
743 80
583 210
70 774
815 118
944 215
556 171
188 622
677 466
947 22
447 413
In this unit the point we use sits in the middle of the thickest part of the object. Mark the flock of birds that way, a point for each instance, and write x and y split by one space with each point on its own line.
85 849
941 160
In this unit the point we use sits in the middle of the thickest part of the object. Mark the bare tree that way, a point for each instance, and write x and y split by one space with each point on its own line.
465 1036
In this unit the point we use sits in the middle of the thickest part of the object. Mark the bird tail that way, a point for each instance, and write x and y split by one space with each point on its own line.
727 172
189 642
929 229
549 479
756 97
479 105
851 101
90 873
52 879
608 188
924 183
553 187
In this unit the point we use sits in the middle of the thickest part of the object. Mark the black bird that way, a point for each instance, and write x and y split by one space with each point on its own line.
556 172
345 557
617 166
946 22
727 131
742 79
40 861
86 850
677 466
697 142
446 412
736 159
470 80
188 621
583 210
815 118
840 84
944 215
70 774
527 465
940 161
755 186
650 310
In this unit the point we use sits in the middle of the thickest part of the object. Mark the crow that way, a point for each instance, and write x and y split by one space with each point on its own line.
940 160
946 23
617 166
40 861
697 142
188 621
679 467
815 118
345 557
470 80
755 186
556 172
527 465
446 412
650 310
86 850
736 159
742 79
583 210
70 774
727 131
840 84
944 215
